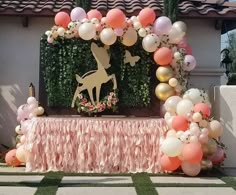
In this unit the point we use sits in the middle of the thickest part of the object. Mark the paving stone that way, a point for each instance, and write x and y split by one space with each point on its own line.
21 178
187 180
98 180
195 190
16 190
96 190
12 169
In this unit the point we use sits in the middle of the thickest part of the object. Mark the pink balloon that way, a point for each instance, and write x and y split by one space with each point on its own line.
119 31
147 16
22 113
203 108
203 138
77 14
94 14
183 43
218 156
191 169
189 63
162 25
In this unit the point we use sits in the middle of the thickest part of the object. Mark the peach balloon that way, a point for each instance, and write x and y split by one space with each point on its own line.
147 16
163 56
180 123
170 163
62 19
192 153
203 108
115 18
94 14
11 159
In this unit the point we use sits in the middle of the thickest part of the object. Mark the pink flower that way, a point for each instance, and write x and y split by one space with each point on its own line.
111 94
84 100
109 98
109 104
80 96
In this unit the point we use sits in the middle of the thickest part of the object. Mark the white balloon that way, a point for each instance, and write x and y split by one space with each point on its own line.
171 133
171 103
172 147
31 100
108 36
184 107
61 31
87 31
179 134
194 95
151 42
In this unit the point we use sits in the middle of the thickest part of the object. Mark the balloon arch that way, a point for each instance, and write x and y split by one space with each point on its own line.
192 141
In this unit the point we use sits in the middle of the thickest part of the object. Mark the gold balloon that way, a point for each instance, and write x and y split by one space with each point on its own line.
164 73
163 91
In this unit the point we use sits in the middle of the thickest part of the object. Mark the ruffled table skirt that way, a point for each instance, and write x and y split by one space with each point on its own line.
94 145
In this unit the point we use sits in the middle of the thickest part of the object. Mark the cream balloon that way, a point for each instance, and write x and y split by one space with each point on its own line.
173 82
180 25
40 111
151 42
172 146
18 130
61 31
130 37
175 35
142 32
108 36
87 31
171 133
21 154
215 129
197 117
184 107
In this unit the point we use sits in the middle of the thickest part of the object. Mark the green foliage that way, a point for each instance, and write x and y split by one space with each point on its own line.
135 80
84 4
171 9
64 58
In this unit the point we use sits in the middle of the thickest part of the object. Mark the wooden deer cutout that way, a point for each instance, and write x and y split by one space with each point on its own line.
95 78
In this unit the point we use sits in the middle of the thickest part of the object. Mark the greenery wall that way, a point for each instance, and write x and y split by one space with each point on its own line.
63 59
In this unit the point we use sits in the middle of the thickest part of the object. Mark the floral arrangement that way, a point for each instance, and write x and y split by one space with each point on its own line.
109 102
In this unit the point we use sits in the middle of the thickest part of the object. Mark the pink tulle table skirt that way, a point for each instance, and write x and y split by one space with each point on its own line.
94 145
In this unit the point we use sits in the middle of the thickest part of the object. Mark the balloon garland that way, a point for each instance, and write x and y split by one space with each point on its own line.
192 141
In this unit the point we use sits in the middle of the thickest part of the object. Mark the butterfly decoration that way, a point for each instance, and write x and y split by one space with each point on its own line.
130 59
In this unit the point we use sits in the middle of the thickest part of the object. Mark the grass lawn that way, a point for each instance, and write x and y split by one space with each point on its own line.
141 182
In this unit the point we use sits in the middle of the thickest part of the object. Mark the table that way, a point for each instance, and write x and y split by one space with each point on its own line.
94 145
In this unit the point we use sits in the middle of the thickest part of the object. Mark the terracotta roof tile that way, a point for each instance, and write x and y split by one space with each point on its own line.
192 8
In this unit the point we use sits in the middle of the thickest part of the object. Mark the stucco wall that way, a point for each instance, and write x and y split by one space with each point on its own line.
19 63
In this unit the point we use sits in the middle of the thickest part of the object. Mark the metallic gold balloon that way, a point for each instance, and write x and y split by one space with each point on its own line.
164 73
164 91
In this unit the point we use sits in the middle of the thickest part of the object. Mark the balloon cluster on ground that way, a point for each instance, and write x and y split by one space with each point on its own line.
192 141
165 40
24 113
